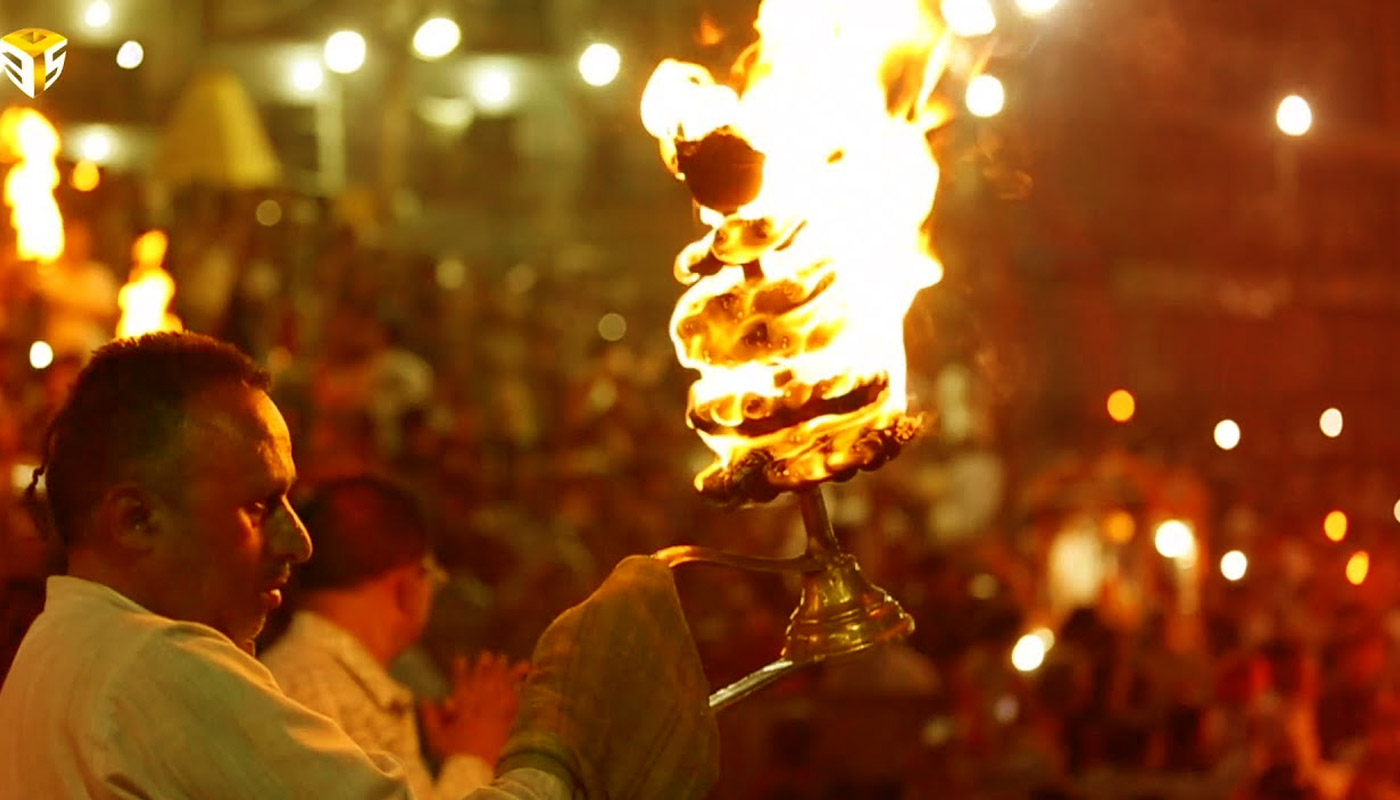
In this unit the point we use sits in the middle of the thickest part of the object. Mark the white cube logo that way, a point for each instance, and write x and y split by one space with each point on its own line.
33 58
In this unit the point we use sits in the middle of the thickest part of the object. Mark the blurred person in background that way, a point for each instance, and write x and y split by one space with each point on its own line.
362 600
168 474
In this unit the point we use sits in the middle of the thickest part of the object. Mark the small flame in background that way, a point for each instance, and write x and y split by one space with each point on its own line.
145 299
31 141
816 180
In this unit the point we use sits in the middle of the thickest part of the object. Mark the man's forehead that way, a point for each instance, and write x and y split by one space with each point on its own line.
239 418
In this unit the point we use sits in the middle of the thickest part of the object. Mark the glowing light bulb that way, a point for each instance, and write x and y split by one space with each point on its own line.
1029 653
1227 434
986 97
40 355
1034 8
436 38
130 55
307 76
1331 423
494 89
98 14
1295 116
969 17
1233 565
345 52
1175 540
96 147
600 64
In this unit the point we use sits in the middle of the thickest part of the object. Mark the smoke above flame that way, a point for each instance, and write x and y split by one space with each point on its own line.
815 179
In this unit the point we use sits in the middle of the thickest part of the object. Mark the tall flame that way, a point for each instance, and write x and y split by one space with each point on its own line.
145 299
816 179
30 140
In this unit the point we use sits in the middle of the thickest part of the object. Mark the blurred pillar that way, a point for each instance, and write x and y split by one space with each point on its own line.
330 136
399 21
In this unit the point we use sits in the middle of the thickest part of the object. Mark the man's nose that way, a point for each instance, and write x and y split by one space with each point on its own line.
290 540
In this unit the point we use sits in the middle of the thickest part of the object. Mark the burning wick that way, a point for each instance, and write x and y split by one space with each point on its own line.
145 299
28 137
816 180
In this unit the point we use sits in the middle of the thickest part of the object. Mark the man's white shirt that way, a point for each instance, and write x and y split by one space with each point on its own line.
107 700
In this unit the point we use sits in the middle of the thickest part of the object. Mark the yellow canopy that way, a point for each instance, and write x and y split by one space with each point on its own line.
216 137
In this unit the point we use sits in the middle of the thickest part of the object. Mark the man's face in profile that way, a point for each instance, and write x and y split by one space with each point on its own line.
230 535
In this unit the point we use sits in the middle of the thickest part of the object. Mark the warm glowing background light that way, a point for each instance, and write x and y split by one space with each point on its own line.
1358 567
1227 434
1294 116
1331 423
1233 565
1122 405
1334 525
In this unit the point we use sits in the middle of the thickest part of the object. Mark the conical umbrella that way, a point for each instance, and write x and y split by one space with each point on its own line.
215 137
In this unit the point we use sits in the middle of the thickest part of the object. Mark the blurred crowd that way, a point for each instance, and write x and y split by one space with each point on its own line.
534 406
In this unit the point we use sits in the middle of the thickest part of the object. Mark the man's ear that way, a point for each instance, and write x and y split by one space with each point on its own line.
127 516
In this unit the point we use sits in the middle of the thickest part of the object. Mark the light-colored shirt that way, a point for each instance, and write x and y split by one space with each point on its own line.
325 668
106 701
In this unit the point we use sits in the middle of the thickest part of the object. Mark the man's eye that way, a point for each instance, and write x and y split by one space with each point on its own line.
258 510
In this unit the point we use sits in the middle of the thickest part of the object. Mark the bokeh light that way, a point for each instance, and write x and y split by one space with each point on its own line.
1175 540
98 15
1335 526
1122 405
1029 653
1227 434
1294 116
1331 423
612 327
130 55
345 52
1358 567
1034 8
969 17
1233 565
450 273
436 38
986 97
96 146
40 355
86 176
1119 527
493 88
307 76
268 213
600 64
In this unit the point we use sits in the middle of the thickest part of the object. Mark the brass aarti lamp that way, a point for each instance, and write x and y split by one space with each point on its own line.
840 612
815 178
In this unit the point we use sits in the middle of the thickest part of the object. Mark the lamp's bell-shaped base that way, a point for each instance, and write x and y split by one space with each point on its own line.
841 612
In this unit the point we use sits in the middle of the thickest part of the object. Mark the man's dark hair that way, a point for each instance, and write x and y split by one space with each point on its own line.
361 527
125 407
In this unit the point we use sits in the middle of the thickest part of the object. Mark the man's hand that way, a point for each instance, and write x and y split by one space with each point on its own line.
616 702
476 718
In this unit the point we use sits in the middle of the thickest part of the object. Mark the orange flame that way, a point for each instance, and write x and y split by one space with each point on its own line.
145 299
816 180
28 138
